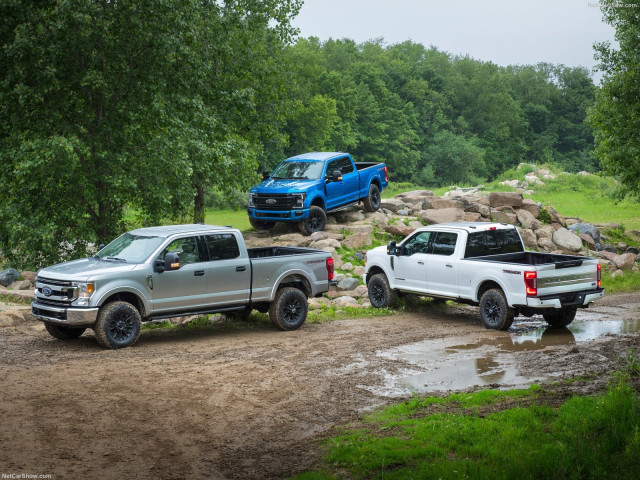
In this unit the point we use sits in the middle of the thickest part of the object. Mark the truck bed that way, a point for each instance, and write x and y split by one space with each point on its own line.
265 252
533 258
363 165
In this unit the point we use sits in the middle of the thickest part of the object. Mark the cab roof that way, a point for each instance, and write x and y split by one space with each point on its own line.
473 226
168 230
318 156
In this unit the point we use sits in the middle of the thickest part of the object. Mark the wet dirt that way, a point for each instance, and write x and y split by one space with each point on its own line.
253 403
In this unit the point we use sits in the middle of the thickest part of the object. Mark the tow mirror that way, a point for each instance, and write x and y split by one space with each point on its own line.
171 261
160 265
265 174
391 248
336 176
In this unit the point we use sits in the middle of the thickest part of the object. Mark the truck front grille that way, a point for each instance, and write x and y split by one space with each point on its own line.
274 201
57 293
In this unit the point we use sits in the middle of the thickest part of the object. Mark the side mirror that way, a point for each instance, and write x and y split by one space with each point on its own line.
265 174
159 265
101 246
391 248
336 176
171 261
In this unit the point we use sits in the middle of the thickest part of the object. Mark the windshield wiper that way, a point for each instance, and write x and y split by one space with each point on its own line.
116 259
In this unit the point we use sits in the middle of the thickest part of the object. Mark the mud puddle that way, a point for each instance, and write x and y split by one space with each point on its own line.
446 364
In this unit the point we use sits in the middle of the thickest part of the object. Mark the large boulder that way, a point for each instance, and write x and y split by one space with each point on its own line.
439 203
545 231
348 283
527 220
567 240
443 215
393 204
625 261
480 208
511 199
472 217
547 244
358 240
588 241
399 229
327 242
503 217
415 193
531 207
529 238
586 228
349 216
7 277
555 216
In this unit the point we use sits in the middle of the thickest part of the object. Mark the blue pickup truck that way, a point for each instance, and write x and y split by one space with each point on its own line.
305 187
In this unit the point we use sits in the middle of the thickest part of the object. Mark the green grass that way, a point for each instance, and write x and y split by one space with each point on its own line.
630 282
496 434
236 218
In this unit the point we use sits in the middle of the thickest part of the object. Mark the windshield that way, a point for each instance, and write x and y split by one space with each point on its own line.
130 248
297 170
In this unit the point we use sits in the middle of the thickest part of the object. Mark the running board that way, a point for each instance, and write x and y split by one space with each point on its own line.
337 209
196 312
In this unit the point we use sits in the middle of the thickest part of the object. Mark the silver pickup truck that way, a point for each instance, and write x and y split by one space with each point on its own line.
169 271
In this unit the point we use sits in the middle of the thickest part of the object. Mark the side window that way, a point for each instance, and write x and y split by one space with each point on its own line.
345 165
444 243
185 248
419 243
333 165
222 246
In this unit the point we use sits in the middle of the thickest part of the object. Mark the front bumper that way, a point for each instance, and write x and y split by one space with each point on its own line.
85 317
573 299
279 215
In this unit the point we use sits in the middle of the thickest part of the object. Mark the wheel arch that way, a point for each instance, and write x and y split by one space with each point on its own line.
317 201
297 279
129 296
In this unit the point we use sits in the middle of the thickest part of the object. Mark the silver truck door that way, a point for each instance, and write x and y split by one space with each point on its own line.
184 288
228 272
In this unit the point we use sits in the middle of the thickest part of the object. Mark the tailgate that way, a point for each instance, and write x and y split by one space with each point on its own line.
567 277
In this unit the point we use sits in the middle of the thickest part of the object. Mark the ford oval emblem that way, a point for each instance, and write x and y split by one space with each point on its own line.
46 291
271 201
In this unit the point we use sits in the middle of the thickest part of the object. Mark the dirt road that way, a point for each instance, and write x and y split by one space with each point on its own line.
253 403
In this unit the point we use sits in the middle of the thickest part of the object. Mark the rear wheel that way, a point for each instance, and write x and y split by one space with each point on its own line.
494 310
62 332
560 317
315 222
261 224
381 295
372 201
288 311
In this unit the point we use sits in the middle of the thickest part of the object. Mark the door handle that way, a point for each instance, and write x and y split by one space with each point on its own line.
449 265
198 273
420 262
240 269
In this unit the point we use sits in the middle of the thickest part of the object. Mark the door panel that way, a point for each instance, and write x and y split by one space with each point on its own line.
228 273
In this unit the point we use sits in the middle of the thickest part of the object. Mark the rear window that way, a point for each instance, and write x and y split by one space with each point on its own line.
493 242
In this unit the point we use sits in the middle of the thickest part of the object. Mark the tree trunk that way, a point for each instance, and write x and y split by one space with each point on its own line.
198 205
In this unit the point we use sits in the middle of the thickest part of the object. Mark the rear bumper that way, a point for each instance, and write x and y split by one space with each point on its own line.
572 299
279 215
85 317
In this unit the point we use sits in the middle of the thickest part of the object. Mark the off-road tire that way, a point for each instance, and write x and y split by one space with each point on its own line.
372 201
118 325
494 310
315 222
261 224
560 317
63 333
381 295
288 311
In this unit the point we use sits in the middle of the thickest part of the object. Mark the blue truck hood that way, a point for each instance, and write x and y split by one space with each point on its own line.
84 269
284 186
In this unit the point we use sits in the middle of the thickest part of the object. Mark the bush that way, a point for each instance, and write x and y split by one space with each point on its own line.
234 200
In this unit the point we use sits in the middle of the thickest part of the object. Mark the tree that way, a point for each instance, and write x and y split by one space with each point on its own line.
106 105
615 116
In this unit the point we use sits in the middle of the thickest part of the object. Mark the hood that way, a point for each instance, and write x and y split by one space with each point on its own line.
85 269
283 186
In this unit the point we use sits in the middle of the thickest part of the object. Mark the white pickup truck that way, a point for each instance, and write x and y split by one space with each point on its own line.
483 264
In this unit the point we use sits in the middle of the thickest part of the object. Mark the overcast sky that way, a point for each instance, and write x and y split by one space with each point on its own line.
506 32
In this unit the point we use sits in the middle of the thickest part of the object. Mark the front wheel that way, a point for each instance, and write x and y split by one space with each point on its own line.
372 201
315 222
381 295
560 317
494 310
288 311
261 224
118 325
62 332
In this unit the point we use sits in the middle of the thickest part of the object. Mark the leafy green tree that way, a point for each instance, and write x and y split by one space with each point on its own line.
615 116
106 105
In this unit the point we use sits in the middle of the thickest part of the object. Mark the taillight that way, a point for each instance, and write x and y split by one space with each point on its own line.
330 269
599 275
531 283
386 174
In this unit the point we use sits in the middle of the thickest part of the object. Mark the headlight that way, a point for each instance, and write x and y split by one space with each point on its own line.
83 292
251 204
299 200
